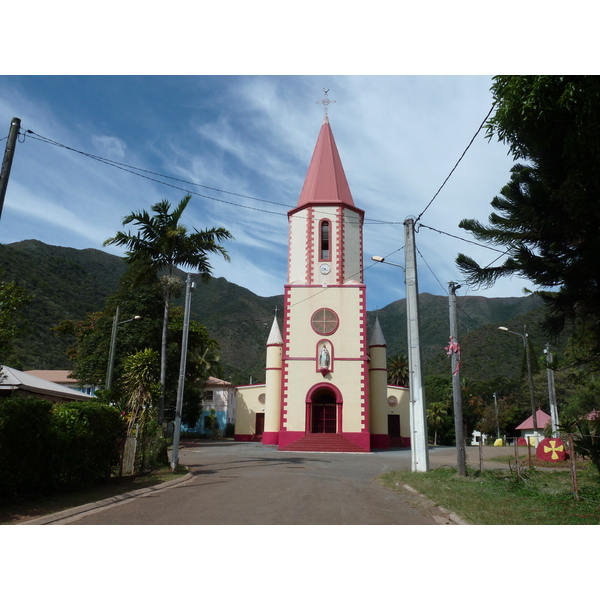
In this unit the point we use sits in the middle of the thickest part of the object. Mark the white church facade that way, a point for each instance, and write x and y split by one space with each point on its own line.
326 376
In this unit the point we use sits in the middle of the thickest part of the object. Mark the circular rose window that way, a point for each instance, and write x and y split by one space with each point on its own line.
324 321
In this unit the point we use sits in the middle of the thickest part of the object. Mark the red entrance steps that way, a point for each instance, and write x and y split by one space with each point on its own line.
323 442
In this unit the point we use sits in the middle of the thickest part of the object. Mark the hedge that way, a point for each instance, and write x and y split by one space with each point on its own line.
46 447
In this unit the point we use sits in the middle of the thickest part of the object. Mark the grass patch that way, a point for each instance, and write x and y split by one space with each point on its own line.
24 510
495 497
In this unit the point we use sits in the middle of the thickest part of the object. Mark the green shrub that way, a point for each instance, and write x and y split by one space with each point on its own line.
152 448
25 443
44 447
87 436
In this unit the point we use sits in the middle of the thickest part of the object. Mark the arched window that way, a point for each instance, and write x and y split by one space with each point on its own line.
325 228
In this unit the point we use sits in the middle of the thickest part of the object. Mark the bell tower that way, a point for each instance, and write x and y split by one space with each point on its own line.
324 368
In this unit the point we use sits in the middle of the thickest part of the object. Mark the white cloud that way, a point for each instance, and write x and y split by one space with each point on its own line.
110 147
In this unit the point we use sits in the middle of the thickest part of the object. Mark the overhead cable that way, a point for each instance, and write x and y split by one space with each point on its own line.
457 163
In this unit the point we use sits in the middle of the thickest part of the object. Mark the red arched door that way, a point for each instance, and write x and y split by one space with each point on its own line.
323 413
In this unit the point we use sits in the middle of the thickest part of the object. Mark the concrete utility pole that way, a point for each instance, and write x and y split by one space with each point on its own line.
13 132
418 416
182 366
551 391
461 457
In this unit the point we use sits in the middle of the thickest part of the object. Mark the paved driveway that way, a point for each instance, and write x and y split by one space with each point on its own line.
250 484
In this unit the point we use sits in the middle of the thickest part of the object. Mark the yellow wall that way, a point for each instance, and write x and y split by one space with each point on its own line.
402 409
378 390
348 353
247 405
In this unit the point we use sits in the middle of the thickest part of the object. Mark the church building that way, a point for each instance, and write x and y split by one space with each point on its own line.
326 376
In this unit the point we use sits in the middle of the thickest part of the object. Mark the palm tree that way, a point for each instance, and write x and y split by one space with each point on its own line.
436 414
162 244
398 370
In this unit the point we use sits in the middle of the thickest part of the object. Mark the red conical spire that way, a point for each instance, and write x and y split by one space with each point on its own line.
325 181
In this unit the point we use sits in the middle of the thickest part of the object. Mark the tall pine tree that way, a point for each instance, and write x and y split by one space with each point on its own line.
547 217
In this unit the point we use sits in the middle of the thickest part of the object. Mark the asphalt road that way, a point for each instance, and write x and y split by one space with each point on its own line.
249 484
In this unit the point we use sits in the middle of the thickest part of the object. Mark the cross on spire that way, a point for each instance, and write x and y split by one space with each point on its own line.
325 102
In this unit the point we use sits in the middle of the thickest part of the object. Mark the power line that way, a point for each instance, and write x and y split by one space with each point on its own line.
435 276
463 239
457 163
145 174
345 280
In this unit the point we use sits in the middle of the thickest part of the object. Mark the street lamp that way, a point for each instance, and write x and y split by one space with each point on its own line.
524 336
381 259
418 422
113 346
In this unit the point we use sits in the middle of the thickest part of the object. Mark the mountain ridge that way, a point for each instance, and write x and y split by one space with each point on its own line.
68 283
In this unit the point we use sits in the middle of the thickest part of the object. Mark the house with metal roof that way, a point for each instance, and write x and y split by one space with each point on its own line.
18 383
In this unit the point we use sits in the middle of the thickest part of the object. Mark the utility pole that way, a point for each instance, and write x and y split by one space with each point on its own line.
530 377
456 391
551 391
13 132
182 366
418 416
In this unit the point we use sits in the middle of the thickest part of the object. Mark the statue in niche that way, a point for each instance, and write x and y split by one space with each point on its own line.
324 358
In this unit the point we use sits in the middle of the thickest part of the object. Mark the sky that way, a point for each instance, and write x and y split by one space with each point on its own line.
224 95
241 144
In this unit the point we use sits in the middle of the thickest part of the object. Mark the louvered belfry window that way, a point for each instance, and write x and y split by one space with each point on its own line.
325 243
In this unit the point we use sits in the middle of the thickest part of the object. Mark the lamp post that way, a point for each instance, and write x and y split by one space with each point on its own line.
113 346
418 422
551 391
524 336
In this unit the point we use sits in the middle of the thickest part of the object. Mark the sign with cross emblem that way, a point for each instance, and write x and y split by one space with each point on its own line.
551 450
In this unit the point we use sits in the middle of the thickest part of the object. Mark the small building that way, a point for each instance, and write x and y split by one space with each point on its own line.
528 433
19 383
219 395
62 377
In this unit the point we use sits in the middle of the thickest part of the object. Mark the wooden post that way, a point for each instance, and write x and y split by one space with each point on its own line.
529 452
481 452
9 153
461 457
517 458
573 470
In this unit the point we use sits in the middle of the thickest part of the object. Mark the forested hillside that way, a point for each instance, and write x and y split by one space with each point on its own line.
68 283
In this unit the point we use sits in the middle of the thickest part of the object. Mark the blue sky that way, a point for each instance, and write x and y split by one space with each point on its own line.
250 138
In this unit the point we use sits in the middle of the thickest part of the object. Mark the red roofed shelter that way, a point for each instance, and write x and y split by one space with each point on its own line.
531 435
